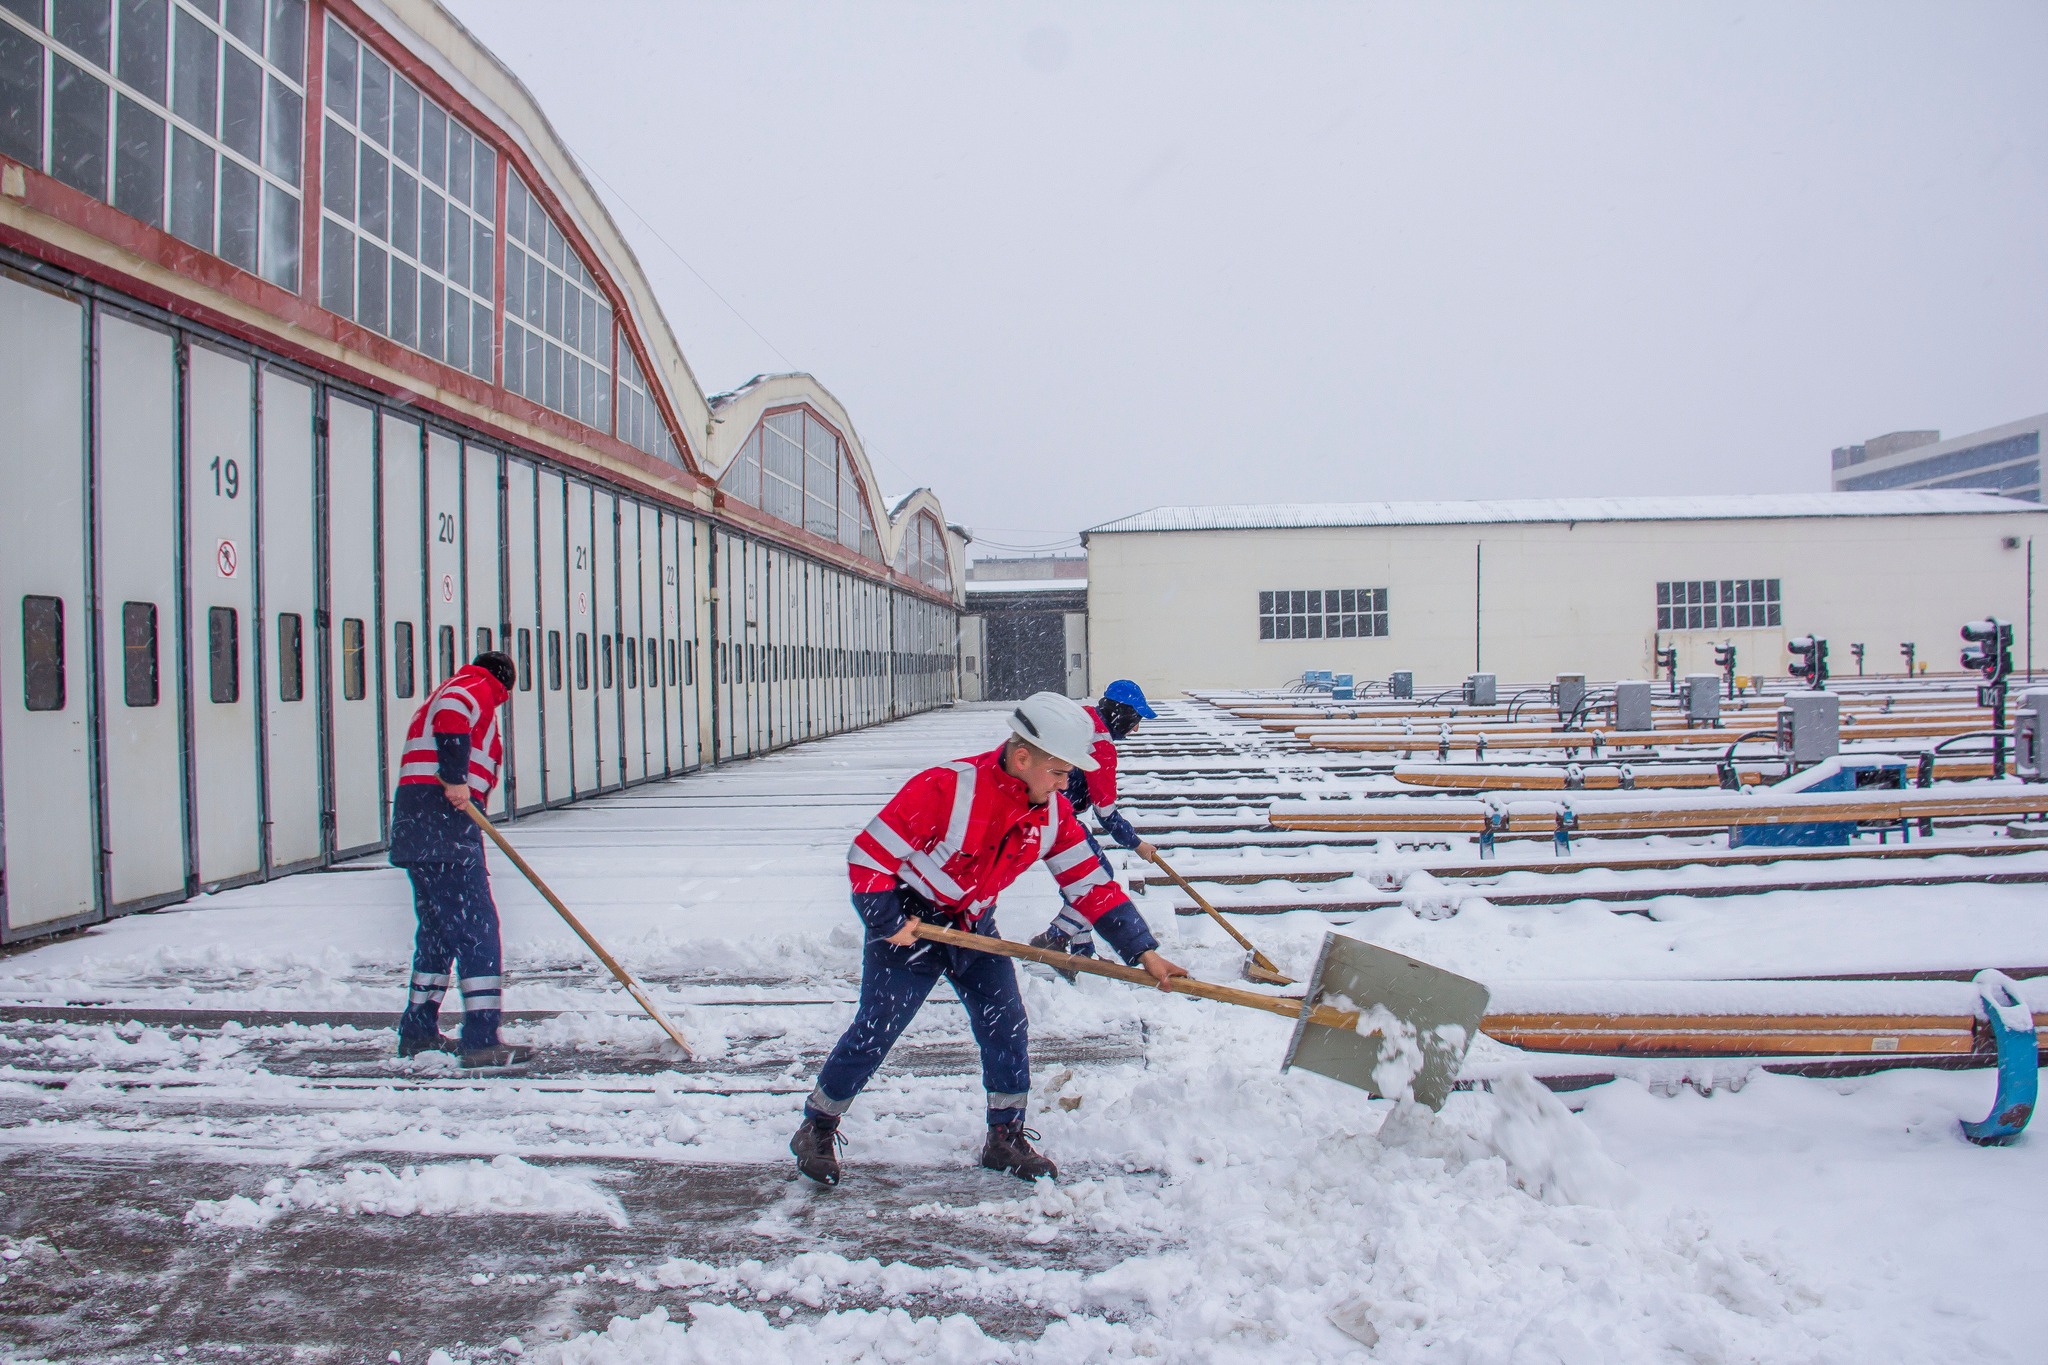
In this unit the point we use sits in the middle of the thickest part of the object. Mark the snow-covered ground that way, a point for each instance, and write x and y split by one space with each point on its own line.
283 1186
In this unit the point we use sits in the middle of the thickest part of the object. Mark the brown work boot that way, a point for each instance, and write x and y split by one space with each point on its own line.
816 1147
1009 1149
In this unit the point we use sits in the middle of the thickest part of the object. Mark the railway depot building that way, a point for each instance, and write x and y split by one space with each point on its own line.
323 369
1252 596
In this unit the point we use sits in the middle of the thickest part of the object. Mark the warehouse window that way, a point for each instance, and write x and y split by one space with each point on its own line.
922 555
604 661
42 653
640 423
444 638
795 468
186 114
354 660
1718 604
554 661
483 640
1323 613
558 326
631 658
401 652
670 672
525 638
582 662
224 654
138 654
408 196
291 657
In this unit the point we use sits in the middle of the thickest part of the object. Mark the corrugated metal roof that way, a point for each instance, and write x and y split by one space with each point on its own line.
1716 507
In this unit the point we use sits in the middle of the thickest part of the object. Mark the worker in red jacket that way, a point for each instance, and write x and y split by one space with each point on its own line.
452 752
942 850
1116 716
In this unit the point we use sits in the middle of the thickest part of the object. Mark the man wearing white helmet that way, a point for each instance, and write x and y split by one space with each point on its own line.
942 850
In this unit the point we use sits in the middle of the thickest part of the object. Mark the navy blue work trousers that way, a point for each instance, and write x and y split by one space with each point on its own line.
458 940
894 983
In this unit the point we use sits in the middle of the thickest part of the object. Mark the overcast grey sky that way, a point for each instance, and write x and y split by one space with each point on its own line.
1062 262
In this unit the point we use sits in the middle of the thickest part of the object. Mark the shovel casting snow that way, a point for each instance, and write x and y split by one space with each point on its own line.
633 988
1409 1037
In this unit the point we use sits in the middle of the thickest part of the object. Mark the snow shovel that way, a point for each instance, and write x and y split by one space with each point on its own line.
1409 1039
633 988
1257 966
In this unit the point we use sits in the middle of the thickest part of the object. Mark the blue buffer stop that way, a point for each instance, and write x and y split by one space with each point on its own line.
2011 1023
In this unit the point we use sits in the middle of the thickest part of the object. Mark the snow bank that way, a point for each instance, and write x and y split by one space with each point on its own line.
505 1185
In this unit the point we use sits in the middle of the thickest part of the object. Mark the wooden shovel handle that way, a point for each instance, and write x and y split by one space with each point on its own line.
625 978
1286 1006
1160 862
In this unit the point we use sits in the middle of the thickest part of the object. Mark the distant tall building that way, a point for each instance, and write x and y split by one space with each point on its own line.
2005 460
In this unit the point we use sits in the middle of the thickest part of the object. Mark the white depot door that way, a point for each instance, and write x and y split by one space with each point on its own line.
403 640
142 711
655 690
220 574
583 726
556 663
485 605
446 595
524 638
356 754
608 670
289 556
48 835
680 613
632 648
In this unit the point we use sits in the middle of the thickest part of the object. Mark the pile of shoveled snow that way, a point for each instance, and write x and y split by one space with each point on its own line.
1294 1219
504 1185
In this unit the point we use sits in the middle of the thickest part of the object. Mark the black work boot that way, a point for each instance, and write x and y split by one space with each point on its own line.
1066 943
816 1147
1009 1149
413 1047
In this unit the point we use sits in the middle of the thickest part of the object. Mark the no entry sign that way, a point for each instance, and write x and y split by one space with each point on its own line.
225 559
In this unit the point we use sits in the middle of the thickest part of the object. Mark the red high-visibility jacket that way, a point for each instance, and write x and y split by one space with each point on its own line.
959 833
455 733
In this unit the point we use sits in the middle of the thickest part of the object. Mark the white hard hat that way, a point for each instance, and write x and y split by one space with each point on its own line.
1057 725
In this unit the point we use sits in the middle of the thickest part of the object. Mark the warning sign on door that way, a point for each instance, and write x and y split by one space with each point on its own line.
447 587
225 559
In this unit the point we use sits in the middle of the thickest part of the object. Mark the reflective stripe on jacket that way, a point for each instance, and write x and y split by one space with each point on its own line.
454 735
1097 790
958 834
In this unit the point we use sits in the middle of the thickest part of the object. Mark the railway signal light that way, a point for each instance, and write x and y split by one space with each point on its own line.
1857 651
1909 649
1809 660
1667 659
1987 647
1724 659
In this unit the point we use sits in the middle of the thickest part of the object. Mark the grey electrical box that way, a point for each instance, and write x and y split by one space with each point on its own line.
1479 689
1703 697
1568 691
1810 727
1401 684
1632 705
2029 729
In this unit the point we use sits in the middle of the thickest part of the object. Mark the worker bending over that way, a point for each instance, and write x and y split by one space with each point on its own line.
452 751
1122 706
942 850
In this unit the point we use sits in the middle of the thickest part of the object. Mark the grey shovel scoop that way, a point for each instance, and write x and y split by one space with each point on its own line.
1413 1043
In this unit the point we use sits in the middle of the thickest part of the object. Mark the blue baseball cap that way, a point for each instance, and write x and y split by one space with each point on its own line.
1131 695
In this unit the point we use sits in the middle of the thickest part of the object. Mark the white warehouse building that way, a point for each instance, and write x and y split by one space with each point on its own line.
1252 596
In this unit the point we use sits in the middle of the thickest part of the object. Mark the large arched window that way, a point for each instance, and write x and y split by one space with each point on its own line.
796 469
922 555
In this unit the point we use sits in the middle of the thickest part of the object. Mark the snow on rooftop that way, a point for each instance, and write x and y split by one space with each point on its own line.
977 586
1711 507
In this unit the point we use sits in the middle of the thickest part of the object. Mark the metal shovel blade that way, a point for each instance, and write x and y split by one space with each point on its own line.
1437 1013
